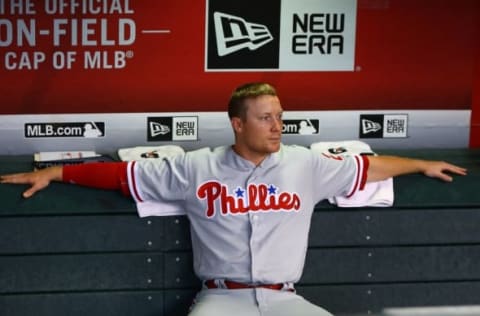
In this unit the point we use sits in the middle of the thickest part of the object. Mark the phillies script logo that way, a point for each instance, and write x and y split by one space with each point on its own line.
257 197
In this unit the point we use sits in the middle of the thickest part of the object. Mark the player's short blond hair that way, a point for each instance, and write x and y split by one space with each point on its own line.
237 106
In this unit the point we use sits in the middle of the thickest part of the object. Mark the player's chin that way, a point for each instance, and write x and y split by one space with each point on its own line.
273 147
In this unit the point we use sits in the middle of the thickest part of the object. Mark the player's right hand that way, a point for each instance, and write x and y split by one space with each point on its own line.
37 180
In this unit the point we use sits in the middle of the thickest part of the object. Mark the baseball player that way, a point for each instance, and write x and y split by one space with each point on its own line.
249 204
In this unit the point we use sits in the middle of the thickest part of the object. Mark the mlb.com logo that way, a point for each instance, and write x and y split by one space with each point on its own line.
280 35
301 127
176 128
89 129
383 126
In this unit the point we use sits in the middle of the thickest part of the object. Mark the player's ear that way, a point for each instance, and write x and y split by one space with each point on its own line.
237 124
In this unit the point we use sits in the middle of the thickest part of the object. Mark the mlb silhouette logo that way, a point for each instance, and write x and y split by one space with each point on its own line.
301 127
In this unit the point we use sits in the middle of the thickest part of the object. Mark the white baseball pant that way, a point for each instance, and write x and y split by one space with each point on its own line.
253 302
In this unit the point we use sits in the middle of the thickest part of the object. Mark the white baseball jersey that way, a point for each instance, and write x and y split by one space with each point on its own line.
248 223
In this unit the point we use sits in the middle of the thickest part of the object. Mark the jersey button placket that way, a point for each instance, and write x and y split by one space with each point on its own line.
254 218
254 243
256 223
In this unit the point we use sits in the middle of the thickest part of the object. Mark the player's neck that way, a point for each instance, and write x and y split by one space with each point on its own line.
254 157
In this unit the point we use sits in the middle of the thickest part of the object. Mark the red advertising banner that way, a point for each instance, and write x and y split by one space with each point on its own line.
114 56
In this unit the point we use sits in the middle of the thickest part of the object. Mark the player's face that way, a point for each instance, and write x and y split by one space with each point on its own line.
261 132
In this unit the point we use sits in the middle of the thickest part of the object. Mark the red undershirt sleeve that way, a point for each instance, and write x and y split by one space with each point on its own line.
102 175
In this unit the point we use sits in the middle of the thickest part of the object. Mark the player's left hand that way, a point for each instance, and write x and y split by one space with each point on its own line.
442 170
383 167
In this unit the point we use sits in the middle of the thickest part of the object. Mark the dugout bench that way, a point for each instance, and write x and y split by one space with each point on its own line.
73 250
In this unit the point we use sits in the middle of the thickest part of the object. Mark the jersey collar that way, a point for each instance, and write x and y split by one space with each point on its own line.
230 157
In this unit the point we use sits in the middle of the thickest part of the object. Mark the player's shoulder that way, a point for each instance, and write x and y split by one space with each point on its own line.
199 151
297 152
295 149
205 153
302 153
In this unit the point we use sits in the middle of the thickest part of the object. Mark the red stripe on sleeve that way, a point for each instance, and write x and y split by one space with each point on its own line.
366 165
357 177
362 172
134 182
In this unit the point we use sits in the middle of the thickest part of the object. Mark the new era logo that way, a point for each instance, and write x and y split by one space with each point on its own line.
158 129
241 38
234 33
283 35
369 126
172 128
383 125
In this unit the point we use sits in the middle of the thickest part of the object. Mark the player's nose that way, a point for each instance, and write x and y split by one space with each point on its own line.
277 125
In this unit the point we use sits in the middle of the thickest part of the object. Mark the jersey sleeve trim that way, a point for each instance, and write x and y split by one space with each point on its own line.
361 174
366 165
132 183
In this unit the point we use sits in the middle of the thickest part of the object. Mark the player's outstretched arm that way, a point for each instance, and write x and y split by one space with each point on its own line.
384 167
37 180
102 175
